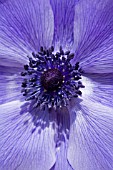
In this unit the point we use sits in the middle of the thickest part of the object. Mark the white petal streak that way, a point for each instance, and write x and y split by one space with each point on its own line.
98 88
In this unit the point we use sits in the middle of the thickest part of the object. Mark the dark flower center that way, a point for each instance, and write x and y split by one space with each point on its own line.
50 79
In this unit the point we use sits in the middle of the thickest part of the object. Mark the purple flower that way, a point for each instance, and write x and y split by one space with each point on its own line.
49 118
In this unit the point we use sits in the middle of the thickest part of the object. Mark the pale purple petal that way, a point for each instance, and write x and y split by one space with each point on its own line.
24 27
93 35
63 22
91 133
25 143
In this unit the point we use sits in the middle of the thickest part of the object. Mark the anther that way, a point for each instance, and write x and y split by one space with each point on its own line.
26 67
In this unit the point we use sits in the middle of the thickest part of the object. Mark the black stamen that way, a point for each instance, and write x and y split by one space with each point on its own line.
26 67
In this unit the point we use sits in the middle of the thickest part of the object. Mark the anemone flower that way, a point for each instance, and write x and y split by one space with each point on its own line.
56 85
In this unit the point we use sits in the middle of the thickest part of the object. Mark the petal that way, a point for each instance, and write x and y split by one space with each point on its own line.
100 87
61 160
64 22
24 27
10 84
91 136
93 35
61 138
22 144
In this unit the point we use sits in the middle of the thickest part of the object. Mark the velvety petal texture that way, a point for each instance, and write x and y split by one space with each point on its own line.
24 27
24 146
64 12
93 35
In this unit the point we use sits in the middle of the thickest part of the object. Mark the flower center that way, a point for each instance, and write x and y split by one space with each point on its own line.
50 79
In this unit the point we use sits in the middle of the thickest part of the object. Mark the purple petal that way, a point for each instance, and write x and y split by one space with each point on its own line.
10 84
93 35
61 159
24 27
61 138
91 136
22 144
64 22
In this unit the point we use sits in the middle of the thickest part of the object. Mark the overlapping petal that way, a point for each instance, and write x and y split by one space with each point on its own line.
24 27
61 159
93 35
64 12
61 138
22 144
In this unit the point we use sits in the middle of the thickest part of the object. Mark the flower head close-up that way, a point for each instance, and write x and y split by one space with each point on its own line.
56 85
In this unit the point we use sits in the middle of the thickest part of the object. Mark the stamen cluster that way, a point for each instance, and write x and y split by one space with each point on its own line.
50 79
